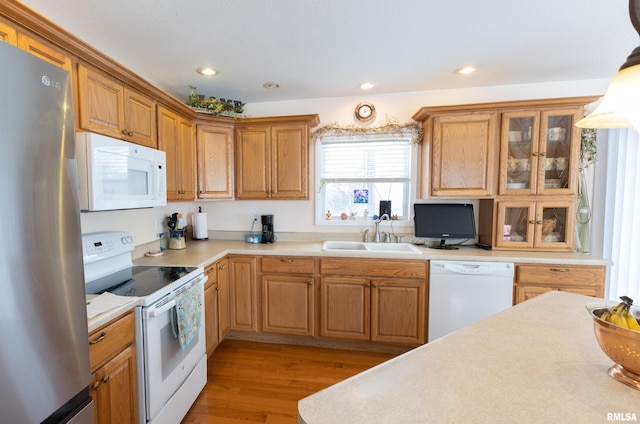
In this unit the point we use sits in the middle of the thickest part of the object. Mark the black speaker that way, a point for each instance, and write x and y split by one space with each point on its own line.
385 207
267 229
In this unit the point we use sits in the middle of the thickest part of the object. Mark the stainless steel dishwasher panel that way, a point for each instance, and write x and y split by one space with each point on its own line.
463 293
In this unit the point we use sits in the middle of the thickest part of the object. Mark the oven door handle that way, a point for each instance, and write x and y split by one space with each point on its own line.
162 309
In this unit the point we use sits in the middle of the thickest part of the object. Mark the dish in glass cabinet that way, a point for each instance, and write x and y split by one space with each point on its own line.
553 183
516 186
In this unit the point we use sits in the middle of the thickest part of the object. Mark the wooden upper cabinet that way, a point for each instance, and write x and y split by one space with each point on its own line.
253 162
539 151
461 150
8 34
34 46
110 108
215 160
44 51
139 118
175 137
272 157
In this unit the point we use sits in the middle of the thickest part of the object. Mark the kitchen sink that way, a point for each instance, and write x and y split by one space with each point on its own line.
359 246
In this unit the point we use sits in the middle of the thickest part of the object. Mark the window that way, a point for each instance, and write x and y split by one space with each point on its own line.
354 174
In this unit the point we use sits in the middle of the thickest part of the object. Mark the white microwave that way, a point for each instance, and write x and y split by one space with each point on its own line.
114 174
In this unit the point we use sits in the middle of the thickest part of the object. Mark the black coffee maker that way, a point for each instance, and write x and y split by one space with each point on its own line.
267 229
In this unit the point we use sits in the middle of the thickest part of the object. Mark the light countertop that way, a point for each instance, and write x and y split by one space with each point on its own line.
201 253
537 362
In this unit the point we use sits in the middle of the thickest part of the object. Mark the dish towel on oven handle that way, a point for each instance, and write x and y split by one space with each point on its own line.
188 314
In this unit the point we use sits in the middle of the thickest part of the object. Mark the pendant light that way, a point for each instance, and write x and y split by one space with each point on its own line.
620 106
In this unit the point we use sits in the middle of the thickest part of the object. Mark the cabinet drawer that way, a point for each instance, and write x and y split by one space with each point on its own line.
374 268
290 265
105 342
212 274
558 275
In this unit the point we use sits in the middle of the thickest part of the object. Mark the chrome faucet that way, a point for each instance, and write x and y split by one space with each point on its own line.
376 237
365 237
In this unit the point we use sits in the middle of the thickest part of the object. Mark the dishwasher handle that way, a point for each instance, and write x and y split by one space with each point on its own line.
473 268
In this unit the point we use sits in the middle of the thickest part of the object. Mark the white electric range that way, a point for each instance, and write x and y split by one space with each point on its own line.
171 373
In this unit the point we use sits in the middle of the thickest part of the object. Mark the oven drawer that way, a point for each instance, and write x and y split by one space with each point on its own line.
107 341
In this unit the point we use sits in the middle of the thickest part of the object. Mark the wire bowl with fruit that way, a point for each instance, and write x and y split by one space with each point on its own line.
617 331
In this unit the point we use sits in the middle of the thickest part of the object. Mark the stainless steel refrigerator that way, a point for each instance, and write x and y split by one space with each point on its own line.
44 350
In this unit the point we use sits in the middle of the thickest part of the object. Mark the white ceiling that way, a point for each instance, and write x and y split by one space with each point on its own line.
327 48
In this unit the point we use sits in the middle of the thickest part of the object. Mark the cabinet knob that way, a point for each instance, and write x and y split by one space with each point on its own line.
106 378
539 222
96 385
543 153
436 189
559 269
310 283
286 260
221 267
534 154
532 222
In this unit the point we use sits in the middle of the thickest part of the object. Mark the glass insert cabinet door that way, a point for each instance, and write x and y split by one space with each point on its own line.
558 153
530 224
519 140
539 152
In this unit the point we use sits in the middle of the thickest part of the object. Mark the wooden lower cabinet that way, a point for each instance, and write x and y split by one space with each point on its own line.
532 280
381 301
242 293
211 308
287 304
288 295
216 304
398 311
224 323
345 308
113 366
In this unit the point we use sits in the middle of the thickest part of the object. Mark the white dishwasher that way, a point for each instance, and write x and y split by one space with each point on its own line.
462 293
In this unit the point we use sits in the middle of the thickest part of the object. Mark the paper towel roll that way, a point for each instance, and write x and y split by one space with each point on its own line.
200 230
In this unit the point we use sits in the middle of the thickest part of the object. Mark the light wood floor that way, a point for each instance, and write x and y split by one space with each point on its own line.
252 382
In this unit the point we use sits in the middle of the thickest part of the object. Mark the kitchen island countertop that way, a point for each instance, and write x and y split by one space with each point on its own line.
537 362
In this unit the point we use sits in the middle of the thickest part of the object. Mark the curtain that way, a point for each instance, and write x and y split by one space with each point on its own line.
621 235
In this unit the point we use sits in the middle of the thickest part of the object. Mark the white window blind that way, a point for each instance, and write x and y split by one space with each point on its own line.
622 214
365 160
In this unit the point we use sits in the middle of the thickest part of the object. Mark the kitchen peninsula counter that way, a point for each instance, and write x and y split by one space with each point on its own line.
537 362
201 253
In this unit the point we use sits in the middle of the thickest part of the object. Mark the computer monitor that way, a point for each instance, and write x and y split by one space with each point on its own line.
444 221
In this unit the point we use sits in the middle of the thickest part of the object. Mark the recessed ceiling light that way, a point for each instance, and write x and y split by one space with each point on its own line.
206 71
466 70
270 85
366 86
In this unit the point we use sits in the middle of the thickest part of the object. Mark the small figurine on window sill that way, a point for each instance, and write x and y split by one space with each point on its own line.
328 215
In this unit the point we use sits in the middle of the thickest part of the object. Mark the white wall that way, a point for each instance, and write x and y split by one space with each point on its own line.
298 216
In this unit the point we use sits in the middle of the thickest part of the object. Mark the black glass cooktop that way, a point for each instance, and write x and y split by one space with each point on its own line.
138 280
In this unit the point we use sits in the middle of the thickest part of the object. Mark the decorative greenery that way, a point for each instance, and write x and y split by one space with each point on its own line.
588 153
390 128
213 105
